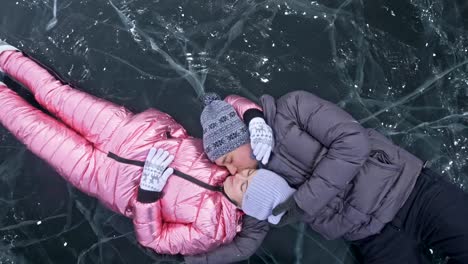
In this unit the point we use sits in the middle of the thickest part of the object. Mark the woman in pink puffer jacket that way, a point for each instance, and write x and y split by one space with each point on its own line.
100 147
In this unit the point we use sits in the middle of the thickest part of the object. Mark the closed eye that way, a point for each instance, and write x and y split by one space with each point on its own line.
227 160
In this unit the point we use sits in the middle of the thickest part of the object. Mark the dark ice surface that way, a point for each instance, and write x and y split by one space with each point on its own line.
397 66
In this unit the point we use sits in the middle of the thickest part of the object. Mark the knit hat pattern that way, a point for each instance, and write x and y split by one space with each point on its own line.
223 130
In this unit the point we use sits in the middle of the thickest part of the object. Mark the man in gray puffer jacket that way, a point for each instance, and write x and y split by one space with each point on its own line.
351 182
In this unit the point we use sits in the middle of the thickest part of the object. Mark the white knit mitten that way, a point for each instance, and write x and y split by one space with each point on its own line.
261 139
156 171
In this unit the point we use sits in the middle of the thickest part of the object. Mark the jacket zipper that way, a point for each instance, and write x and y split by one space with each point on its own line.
177 173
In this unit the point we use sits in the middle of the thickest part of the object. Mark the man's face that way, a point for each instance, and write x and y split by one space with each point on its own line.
238 159
235 186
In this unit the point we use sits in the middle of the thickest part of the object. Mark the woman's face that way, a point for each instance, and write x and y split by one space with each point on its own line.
236 185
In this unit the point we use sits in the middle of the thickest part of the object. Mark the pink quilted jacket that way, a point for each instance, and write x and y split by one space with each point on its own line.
189 219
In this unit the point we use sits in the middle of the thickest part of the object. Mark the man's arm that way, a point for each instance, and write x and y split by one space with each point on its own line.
261 134
243 105
346 140
244 245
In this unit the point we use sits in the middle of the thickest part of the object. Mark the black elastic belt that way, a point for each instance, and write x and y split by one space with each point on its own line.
177 173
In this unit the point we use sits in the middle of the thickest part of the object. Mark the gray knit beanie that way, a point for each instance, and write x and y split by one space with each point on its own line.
266 190
223 130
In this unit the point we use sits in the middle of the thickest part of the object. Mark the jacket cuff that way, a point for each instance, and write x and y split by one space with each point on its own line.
297 208
145 196
251 114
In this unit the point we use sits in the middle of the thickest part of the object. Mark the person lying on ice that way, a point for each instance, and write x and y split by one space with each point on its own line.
352 183
126 160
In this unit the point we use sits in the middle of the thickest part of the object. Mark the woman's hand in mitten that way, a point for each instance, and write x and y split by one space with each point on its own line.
156 171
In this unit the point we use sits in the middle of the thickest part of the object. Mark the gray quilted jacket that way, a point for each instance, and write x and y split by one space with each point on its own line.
350 180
